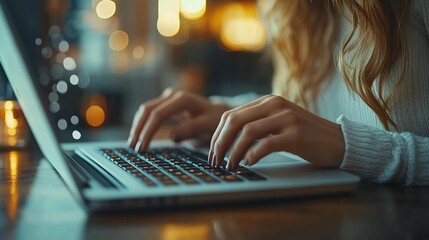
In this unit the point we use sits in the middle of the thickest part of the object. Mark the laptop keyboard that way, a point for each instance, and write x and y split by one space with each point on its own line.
173 166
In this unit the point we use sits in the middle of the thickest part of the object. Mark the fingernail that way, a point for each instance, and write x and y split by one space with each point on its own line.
245 162
174 136
213 162
210 156
219 163
138 145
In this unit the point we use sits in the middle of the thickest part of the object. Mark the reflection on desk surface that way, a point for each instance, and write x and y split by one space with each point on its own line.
35 204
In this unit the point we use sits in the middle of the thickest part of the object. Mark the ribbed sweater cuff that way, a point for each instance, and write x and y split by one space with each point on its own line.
364 153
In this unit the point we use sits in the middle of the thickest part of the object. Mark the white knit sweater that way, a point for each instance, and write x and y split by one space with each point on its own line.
371 152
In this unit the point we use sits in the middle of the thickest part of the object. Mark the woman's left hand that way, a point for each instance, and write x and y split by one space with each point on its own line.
271 124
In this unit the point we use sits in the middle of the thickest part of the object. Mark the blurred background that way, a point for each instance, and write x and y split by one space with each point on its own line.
96 61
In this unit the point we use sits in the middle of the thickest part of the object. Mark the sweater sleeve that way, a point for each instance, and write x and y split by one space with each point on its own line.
382 156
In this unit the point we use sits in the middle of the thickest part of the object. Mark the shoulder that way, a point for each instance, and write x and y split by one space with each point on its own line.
420 9
419 16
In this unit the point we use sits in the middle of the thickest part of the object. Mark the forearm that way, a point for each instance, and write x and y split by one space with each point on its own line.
382 156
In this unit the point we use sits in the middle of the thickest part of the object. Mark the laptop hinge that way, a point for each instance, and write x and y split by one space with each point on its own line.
85 172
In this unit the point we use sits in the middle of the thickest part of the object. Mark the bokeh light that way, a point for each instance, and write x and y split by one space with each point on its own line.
192 9
62 87
74 120
69 63
138 52
244 34
63 46
76 135
74 80
95 116
105 9
238 27
118 40
10 120
53 97
62 124
168 23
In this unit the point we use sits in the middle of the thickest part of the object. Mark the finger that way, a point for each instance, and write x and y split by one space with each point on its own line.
233 125
142 115
171 106
225 115
266 146
251 132
168 92
189 128
221 124
140 119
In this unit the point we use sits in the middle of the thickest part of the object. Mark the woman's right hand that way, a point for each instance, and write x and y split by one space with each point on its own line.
200 116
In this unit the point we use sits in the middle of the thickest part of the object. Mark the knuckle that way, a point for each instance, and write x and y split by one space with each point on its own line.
233 118
276 101
267 144
182 95
142 108
168 91
156 114
217 146
295 133
226 114
234 152
146 107
249 130
292 116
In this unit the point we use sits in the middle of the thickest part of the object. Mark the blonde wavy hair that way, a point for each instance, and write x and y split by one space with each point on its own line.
303 35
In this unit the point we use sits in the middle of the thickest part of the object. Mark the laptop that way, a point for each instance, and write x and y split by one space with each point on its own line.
110 176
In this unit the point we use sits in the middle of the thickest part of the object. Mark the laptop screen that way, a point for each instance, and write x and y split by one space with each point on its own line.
25 22
18 70
61 57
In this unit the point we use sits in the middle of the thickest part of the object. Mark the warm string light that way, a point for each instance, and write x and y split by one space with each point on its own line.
168 23
14 126
138 52
192 9
118 40
240 28
10 120
169 11
105 9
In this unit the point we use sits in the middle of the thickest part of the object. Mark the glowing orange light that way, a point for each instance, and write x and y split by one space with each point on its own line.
243 34
95 116
239 28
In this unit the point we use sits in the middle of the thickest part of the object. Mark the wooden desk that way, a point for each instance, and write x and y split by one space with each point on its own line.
35 204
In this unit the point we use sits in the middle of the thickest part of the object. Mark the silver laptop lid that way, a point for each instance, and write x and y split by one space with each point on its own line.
12 59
